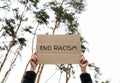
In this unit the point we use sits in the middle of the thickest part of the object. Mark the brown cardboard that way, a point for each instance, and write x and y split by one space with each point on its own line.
58 49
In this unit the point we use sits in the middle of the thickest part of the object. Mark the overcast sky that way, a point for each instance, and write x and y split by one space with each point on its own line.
101 28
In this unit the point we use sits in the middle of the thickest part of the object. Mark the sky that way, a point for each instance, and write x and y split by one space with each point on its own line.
99 24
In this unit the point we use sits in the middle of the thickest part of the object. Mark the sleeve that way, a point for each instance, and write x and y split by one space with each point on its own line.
85 78
29 77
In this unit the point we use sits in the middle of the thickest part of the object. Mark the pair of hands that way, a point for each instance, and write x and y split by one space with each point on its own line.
34 62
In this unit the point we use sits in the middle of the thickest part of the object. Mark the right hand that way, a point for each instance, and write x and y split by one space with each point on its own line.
83 64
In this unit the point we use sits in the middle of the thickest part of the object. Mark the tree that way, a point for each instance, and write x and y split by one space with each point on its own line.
26 18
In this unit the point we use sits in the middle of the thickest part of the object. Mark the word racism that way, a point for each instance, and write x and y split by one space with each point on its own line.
58 48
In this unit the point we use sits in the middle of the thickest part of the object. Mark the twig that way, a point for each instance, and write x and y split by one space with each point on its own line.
51 76
2 32
4 6
34 37
60 76
1 29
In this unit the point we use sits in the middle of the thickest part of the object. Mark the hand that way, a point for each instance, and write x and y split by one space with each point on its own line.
34 62
83 64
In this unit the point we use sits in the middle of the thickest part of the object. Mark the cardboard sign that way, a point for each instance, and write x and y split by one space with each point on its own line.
58 49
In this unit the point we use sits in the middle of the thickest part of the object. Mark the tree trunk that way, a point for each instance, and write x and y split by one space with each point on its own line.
39 73
13 40
11 66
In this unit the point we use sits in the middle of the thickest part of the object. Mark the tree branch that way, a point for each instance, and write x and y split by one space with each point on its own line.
34 37
57 22
4 6
1 29
32 50
60 76
51 76
12 41
11 66
39 73
69 66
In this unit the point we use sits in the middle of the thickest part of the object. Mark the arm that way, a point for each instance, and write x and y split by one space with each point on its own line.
85 77
30 76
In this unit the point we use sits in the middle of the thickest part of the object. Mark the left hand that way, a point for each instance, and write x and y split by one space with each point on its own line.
34 62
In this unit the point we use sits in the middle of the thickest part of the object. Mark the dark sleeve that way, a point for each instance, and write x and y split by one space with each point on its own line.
29 77
85 78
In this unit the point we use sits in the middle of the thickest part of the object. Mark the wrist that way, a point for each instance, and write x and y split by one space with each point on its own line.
83 70
32 69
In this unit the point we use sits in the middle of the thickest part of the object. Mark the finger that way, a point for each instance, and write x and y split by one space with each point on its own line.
85 62
32 64
33 61
35 53
35 56
81 59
